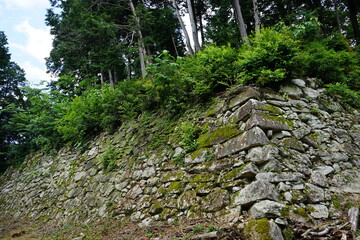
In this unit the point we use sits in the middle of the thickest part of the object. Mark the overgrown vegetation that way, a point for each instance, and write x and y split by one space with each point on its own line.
171 85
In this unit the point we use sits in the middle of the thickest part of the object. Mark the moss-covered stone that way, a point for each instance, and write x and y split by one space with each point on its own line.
218 135
215 201
257 229
293 143
203 188
200 155
271 109
201 178
186 200
279 119
245 171
172 176
156 208
175 188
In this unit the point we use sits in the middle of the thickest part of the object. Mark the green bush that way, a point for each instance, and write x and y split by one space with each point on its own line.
331 66
189 134
108 159
269 58
347 96
99 110
164 86
210 70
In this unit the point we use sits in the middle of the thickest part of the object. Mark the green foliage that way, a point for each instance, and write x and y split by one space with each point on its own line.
289 234
179 160
99 110
109 158
347 96
269 58
317 60
210 70
165 86
189 134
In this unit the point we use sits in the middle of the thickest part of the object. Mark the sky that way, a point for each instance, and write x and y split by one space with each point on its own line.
23 22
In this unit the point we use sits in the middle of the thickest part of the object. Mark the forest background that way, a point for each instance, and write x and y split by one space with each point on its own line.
117 59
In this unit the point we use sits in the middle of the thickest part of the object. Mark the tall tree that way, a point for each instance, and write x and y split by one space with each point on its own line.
256 16
142 50
354 7
240 22
12 78
183 27
193 25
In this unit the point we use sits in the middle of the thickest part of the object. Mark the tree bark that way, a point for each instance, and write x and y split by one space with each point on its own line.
338 23
256 16
102 77
353 18
201 28
142 50
187 38
193 26
240 22
112 84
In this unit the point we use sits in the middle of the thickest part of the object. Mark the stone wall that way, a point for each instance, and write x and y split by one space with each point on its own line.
291 157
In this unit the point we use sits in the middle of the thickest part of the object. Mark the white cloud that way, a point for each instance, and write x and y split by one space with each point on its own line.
34 73
38 41
24 3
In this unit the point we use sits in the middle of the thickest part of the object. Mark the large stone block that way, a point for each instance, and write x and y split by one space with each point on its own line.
252 138
215 201
249 93
264 154
281 177
258 190
268 122
266 209
252 105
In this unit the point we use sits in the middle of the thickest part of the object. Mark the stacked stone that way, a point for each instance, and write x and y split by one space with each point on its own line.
291 157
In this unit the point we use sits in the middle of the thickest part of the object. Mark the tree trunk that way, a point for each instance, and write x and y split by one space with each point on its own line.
201 28
353 18
112 84
256 16
193 25
175 48
338 23
240 22
128 67
187 38
142 50
101 77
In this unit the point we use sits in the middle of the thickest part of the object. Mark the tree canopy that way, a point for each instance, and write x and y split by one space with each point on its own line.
116 59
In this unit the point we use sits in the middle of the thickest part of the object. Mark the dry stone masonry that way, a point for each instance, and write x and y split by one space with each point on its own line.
265 161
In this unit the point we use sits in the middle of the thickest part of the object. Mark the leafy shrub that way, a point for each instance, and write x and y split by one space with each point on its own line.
346 95
164 85
331 66
108 158
210 70
269 58
189 134
99 110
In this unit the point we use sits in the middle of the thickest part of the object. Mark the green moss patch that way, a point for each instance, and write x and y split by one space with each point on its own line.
258 229
293 143
271 109
201 178
279 119
219 135
234 174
